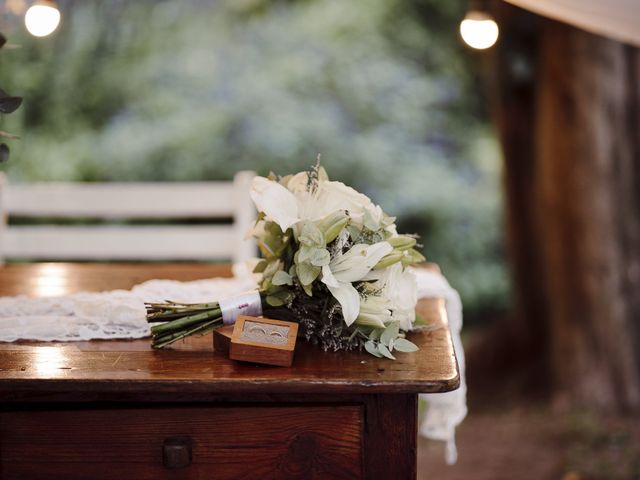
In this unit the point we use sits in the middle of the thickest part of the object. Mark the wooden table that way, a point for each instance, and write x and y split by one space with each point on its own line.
119 410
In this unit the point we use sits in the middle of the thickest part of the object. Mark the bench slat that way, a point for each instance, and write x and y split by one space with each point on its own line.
121 200
120 243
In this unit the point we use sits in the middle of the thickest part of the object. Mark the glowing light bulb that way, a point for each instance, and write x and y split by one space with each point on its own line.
42 19
479 30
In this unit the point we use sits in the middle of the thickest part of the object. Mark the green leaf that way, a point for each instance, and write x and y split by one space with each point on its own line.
308 289
274 301
307 273
271 269
319 257
282 278
391 332
404 345
273 228
385 351
354 232
311 235
372 348
260 266
302 255
375 334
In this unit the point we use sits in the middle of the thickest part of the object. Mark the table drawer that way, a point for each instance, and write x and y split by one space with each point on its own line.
227 442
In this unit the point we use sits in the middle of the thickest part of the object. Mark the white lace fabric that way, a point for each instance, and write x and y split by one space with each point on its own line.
121 314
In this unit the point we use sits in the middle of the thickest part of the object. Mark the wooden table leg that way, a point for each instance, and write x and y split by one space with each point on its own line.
390 437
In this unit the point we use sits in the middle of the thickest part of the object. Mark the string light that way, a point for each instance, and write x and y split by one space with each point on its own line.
42 18
478 29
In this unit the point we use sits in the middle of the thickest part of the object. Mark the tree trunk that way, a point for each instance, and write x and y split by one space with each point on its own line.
587 140
567 107
518 346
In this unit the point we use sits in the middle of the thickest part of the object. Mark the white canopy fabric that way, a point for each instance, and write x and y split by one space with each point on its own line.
616 19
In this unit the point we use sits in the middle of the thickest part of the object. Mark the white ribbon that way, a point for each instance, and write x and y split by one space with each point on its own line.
245 304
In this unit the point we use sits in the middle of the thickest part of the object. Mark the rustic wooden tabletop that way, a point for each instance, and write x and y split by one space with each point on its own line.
121 367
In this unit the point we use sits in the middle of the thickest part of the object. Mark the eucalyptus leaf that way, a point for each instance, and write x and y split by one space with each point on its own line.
375 334
271 269
372 348
307 273
303 254
354 232
319 257
260 266
282 278
311 235
404 345
392 331
274 301
385 351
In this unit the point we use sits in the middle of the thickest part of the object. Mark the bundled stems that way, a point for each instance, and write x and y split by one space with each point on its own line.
181 320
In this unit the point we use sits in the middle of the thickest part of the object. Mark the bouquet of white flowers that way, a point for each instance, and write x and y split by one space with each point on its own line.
332 261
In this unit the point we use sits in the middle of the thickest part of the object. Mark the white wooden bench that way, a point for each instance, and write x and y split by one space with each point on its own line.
114 202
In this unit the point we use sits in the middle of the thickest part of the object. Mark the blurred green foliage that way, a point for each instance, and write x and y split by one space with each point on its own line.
194 90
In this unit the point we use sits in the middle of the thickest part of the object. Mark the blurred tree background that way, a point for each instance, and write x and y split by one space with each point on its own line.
197 90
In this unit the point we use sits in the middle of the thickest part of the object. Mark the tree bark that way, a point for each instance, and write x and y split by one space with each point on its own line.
522 340
587 139
567 107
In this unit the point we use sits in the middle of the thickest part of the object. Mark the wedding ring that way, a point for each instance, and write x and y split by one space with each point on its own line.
257 330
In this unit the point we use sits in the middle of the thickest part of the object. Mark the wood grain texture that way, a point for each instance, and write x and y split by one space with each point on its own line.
222 339
228 442
391 435
131 369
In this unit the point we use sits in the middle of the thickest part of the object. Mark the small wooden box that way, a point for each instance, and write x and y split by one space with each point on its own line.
222 339
263 340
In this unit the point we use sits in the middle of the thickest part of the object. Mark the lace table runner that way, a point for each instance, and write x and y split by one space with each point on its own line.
121 314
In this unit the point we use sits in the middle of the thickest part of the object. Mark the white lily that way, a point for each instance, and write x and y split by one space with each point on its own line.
275 201
352 266
375 311
289 206
400 288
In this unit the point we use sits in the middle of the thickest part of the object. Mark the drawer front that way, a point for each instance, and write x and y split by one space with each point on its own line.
226 442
